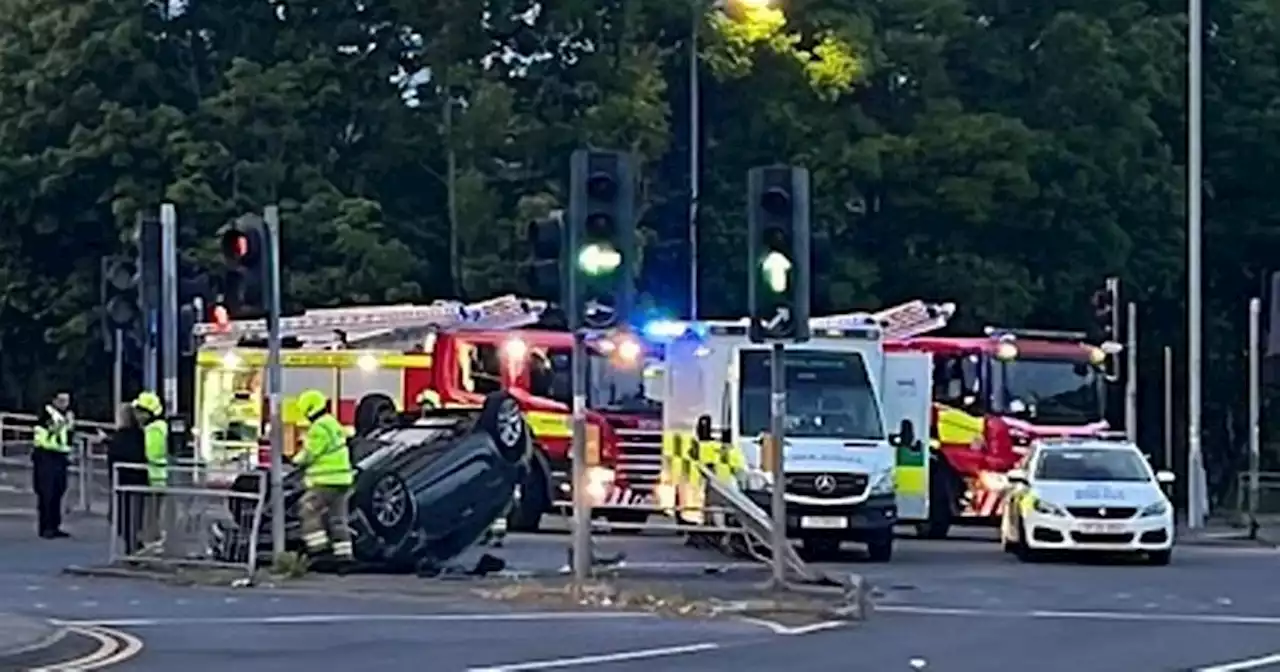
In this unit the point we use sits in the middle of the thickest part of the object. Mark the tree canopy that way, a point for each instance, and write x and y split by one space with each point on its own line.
1006 156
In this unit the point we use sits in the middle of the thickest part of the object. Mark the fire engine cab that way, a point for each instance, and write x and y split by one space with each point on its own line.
376 362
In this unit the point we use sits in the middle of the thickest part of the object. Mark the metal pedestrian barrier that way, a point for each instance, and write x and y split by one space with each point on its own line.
185 521
89 481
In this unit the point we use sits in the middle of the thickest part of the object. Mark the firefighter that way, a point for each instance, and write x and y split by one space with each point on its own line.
49 464
149 411
327 476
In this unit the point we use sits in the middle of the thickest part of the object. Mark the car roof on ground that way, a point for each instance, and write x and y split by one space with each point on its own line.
1087 443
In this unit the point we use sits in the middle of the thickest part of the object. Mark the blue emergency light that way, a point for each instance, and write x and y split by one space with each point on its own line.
660 331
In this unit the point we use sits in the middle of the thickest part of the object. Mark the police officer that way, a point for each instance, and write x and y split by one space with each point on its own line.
49 464
327 477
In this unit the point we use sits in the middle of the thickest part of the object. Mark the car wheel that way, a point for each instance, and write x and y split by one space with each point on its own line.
502 419
1159 558
1022 549
880 547
374 412
531 502
388 507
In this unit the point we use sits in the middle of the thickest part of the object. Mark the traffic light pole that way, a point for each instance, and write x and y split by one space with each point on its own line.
271 216
581 503
117 369
169 304
1255 406
777 493
1131 374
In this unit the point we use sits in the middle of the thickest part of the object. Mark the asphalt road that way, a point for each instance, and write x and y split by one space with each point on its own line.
951 606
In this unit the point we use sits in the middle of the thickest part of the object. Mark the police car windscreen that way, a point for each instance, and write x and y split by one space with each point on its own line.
829 395
1092 465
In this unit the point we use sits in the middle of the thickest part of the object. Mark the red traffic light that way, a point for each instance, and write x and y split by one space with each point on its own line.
220 318
243 242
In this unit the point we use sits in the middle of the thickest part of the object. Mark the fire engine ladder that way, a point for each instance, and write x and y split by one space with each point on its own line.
345 327
913 318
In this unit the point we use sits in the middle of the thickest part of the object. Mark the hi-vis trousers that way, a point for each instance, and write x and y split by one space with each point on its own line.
324 518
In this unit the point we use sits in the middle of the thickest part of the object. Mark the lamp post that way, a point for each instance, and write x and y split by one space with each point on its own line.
695 134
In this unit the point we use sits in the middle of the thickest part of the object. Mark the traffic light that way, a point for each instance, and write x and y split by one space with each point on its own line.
778 260
120 294
244 247
1106 314
602 239
548 240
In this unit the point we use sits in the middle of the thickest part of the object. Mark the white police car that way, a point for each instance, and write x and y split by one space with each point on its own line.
1088 494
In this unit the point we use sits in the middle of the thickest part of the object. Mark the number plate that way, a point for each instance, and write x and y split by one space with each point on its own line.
1102 528
824 522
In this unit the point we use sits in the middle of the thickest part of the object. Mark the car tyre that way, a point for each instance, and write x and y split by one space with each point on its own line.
374 412
388 506
532 500
1022 550
502 419
1159 558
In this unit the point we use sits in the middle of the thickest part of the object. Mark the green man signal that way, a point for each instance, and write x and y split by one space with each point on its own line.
778 249
602 239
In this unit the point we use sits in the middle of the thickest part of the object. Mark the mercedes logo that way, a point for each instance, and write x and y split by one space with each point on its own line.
826 484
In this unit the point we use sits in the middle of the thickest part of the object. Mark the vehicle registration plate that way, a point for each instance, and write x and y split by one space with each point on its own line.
1102 528
824 522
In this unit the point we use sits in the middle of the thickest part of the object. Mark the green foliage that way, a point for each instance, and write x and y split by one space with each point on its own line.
1005 156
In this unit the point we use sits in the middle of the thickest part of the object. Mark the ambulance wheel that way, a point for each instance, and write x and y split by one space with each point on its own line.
387 505
374 411
880 547
502 419
941 496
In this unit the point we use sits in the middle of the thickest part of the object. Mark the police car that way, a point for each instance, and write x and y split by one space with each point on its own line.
1088 494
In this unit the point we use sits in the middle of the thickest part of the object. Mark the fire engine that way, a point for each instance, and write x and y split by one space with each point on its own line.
992 396
376 362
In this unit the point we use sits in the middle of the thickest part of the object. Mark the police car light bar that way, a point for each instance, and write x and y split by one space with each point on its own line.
504 312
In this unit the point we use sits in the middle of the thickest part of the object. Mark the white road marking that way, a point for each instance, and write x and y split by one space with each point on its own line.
618 657
1132 616
114 647
323 619
780 629
1248 664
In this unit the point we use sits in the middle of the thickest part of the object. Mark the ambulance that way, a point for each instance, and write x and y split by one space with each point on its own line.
852 456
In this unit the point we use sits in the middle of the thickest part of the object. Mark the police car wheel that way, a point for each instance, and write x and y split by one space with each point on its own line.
1159 558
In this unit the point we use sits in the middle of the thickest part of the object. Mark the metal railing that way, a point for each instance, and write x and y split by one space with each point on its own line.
89 483
1268 503
195 519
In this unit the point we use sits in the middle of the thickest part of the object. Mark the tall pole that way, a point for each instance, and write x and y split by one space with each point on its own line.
1168 408
271 217
1131 374
695 141
117 370
1255 404
169 304
1195 458
777 493
581 502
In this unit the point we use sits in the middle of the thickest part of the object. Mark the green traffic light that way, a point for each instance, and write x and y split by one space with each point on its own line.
776 267
599 259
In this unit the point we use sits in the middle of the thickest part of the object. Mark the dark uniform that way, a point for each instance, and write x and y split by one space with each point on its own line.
49 460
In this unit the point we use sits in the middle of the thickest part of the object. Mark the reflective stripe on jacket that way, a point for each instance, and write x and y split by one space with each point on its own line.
54 431
324 457
156 446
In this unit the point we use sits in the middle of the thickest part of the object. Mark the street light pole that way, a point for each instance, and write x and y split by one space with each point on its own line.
1195 465
695 141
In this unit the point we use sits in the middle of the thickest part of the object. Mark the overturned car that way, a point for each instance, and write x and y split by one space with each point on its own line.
426 488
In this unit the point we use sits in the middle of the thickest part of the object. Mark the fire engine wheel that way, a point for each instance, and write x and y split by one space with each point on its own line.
502 419
387 505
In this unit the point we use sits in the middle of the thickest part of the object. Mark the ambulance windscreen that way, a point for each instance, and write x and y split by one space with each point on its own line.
829 395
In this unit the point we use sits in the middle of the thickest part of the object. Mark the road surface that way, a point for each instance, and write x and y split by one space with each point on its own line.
950 606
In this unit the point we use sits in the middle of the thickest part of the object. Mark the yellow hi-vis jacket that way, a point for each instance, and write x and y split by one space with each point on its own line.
324 457
155 443
54 431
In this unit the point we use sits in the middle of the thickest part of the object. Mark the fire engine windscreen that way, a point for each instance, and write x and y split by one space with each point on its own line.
608 386
1125 466
829 395
1049 391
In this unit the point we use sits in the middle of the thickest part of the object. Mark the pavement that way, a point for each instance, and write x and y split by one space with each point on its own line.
957 605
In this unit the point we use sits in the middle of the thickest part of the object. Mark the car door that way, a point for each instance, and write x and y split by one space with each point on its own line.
1013 500
905 395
